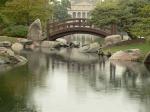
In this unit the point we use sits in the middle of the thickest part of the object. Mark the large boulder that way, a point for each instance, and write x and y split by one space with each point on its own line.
127 55
35 31
112 39
17 47
5 44
49 44
147 58
91 48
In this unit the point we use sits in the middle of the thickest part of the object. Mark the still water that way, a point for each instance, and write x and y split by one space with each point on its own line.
70 81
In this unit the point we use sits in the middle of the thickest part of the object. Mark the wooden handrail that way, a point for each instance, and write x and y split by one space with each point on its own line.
60 27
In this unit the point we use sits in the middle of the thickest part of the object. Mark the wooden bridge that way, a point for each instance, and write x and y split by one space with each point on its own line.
78 25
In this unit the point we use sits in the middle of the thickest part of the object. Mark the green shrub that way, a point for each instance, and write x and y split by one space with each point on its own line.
3 20
16 31
148 40
100 40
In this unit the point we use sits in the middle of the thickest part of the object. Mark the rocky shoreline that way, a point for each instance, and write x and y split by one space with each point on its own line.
9 59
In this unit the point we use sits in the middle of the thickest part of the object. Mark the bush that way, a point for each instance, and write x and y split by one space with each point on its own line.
3 20
148 39
16 31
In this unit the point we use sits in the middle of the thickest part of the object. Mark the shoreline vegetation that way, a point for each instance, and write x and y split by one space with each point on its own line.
7 38
141 44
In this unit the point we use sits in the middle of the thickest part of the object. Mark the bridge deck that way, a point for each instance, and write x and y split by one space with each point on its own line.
79 25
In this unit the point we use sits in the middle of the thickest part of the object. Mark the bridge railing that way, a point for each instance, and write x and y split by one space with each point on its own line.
53 27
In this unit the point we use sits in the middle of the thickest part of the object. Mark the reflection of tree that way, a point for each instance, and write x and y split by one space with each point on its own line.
136 81
17 85
112 72
129 77
147 66
37 62
14 90
102 62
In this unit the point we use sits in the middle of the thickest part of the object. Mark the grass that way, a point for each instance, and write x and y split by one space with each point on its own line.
6 38
144 47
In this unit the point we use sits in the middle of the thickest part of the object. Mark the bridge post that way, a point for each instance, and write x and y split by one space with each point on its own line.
79 22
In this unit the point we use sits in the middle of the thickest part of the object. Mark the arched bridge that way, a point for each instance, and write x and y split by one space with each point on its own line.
78 25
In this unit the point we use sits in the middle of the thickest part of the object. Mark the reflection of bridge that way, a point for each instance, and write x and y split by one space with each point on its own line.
78 25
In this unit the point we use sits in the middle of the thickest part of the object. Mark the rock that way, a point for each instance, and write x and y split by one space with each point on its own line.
74 44
25 41
5 44
36 44
2 61
35 31
147 58
127 55
5 51
8 58
21 60
33 46
17 47
92 48
112 39
49 44
16 59
61 41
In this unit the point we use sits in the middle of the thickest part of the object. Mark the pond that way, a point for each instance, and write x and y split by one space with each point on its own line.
69 81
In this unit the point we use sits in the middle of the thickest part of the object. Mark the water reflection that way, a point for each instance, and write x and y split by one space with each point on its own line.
62 81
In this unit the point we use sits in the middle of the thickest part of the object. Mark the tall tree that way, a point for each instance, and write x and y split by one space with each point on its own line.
61 9
126 14
25 11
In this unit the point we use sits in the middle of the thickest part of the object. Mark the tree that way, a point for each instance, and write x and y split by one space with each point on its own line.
106 14
142 27
2 2
60 10
135 22
25 11
126 14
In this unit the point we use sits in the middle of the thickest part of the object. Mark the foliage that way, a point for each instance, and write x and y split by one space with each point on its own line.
131 16
22 12
25 11
60 10
2 2
142 27
16 31
105 14
144 47
3 20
